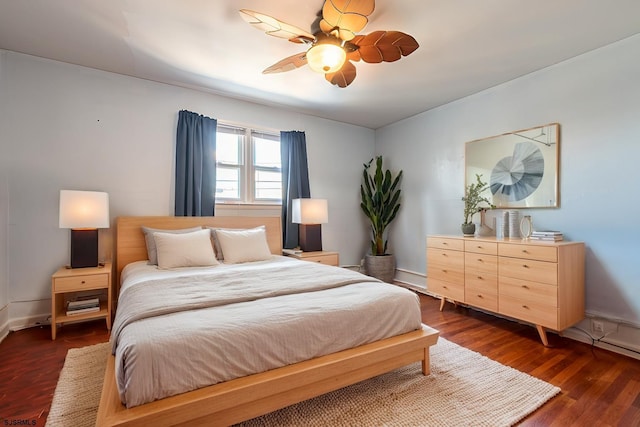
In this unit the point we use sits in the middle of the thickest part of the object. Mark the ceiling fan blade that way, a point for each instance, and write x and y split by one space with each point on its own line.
343 77
346 16
276 28
387 46
288 64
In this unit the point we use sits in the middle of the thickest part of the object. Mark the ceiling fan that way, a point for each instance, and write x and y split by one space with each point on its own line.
335 43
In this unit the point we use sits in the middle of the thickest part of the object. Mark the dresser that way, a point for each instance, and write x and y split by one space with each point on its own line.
541 283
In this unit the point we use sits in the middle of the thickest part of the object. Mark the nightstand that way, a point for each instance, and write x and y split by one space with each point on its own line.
71 280
323 257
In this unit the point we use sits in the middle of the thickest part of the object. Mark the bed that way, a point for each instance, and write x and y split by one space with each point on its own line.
264 387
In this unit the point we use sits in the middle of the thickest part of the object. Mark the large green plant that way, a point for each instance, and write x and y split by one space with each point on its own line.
380 202
473 198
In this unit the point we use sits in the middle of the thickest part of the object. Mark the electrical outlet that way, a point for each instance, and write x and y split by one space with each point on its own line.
597 326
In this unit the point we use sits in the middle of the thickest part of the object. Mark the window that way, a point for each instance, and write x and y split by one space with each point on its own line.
248 166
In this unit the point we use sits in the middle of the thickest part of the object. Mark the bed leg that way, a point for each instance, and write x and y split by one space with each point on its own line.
426 366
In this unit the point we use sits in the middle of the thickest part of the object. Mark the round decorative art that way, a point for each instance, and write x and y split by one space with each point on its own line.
516 177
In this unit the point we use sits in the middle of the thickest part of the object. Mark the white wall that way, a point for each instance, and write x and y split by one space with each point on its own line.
596 99
70 127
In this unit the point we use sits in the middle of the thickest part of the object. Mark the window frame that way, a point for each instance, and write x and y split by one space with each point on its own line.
246 166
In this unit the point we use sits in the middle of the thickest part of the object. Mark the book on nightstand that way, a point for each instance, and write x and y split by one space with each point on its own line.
83 310
82 306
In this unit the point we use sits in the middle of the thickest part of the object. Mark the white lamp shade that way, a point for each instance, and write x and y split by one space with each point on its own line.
326 58
84 209
310 211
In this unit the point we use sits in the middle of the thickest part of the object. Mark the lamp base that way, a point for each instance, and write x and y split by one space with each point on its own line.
310 237
84 248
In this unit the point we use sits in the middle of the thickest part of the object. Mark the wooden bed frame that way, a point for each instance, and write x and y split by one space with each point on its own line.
248 397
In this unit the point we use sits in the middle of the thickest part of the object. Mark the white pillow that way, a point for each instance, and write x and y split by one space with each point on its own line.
243 245
184 250
149 240
216 242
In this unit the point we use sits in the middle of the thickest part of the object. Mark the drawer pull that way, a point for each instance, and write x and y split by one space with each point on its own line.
524 251
479 247
480 260
444 271
444 243
525 266
82 282
525 286
480 278
444 287
524 306
479 296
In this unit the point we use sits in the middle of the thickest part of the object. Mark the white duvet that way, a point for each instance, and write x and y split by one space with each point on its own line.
179 330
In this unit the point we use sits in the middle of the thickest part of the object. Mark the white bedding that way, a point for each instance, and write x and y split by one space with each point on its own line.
243 319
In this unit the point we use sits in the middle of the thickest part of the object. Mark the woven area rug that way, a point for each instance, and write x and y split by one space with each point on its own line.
464 389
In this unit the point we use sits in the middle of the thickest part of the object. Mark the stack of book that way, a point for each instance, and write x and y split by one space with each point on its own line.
549 235
83 306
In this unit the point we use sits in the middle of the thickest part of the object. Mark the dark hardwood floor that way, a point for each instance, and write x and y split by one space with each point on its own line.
599 388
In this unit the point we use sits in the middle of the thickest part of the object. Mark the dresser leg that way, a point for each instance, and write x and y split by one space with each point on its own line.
442 301
543 335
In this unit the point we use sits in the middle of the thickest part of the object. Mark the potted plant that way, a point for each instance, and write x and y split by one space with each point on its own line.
472 199
380 202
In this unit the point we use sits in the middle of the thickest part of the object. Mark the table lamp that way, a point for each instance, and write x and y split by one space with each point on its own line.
310 214
84 212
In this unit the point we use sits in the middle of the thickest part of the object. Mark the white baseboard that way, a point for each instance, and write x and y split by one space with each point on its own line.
4 322
27 314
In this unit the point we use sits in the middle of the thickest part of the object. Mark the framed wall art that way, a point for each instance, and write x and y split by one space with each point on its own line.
521 167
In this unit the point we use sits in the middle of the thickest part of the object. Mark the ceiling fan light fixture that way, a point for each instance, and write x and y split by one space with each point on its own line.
326 56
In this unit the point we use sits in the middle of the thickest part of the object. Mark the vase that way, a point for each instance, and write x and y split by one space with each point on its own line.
526 226
468 229
382 267
484 229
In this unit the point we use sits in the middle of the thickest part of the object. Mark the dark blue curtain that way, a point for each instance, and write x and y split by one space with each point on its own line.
195 165
295 181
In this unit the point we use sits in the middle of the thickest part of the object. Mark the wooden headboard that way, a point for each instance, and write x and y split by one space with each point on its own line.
130 243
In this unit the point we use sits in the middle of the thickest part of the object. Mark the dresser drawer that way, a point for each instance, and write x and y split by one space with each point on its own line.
455 291
538 294
536 271
79 283
533 302
536 252
482 293
479 264
445 259
447 266
481 247
445 243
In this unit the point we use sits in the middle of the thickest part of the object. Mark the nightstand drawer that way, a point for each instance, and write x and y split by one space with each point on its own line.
79 283
323 259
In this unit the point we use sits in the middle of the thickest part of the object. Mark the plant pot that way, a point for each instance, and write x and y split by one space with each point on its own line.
382 267
468 229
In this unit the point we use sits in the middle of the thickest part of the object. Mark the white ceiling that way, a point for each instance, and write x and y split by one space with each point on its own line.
465 46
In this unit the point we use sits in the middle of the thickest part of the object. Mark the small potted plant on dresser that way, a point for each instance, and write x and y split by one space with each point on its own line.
472 204
380 202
